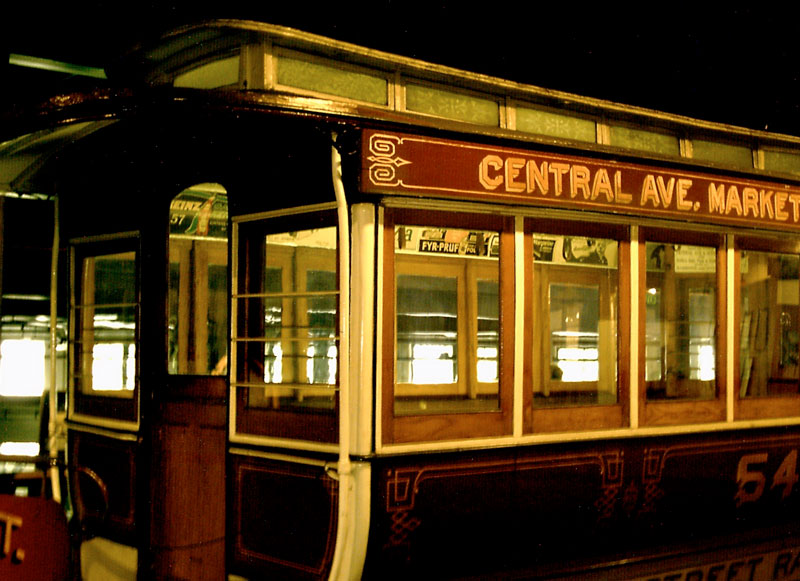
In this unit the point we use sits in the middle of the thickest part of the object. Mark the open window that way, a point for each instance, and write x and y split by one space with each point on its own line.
286 341
103 329
682 310
767 301
576 325
445 301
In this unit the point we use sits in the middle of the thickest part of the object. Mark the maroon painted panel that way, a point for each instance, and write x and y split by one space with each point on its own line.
282 519
400 163
103 485
34 542
534 509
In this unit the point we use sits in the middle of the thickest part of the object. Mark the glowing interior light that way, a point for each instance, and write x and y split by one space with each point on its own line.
328 363
487 364
332 365
111 369
705 358
432 364
130 368
19 449
578 364
273 369
22 368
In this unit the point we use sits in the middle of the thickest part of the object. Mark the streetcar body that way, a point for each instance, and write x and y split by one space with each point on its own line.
334 313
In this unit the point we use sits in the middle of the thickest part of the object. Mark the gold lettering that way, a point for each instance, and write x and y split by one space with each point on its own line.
579 181
780 204
732 202
716 198
665 190
649 192
619 196
750 196
766 203
538 177
559 170
794 200
602 185
514 166
9 521
492 162
683 190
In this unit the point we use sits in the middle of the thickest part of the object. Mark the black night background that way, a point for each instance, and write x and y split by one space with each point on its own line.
729 64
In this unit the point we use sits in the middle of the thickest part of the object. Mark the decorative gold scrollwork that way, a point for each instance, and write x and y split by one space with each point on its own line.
384 160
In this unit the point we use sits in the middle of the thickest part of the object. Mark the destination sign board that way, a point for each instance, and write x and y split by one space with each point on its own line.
408 164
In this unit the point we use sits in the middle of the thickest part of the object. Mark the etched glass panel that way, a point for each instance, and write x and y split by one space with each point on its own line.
212 75
782 161
321 78
725 153
555 125
644 140
460 106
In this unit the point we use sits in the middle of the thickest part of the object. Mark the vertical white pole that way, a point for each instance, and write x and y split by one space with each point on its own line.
730 330
633 380
52 425
519 325
344 529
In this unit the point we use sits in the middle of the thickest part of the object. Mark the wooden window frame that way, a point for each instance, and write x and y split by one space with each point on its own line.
668 413
102 407
578 417
467 273
251 419
456 425
768 406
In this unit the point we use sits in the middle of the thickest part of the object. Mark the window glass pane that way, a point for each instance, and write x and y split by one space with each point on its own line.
287 346
783 161
451 105
322 352
427 330
769 331
105 315
488 330
198 281
314 76
736 155
575 298
447 320
680 331
555 125
642 140
219 73
574 324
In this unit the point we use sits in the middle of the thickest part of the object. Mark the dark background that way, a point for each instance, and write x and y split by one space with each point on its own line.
730 65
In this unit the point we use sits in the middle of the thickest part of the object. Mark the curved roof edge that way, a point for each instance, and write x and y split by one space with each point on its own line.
200 39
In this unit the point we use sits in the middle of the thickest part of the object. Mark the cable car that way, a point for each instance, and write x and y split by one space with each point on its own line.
335 313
